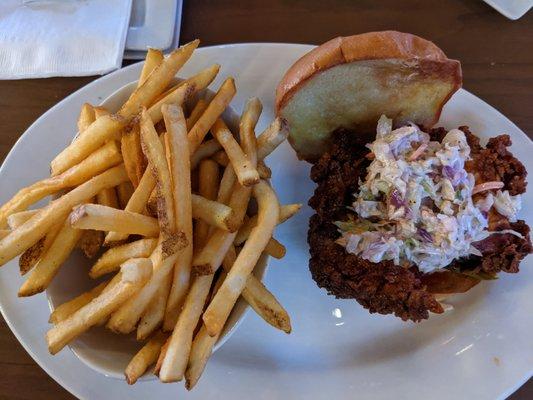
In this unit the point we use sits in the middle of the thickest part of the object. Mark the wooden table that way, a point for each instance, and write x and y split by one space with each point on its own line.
495 53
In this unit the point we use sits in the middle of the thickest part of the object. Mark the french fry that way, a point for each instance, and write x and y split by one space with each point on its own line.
155 312
111 260
221 158
68 308
107 197
154 57
144 358
218 310
134 273
154 151
50 262
271 138
201 350
208 188
18 218
130 145
213 111
196 112
205 150
249 118
136 204
157 80
213 213
226 185
161 357
242 164
4 233
259 298
31 256
101 160
86 117
32 230
102 130
100 111
124 192
180 169
179 345
275 249
263 170
176 96
91 242
102 218
285 212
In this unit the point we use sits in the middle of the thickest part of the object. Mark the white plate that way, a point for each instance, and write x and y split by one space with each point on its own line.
512 9
481 350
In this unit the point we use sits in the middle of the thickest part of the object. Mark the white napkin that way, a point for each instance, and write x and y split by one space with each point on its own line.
62 38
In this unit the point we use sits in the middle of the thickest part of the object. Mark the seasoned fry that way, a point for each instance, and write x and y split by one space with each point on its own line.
52 259
95 136
86 117
136 204
242 165
180 169
218 311
102 218
196 112
111 260
102 159
155 312
275 249
107 197
18 218
285 212
32 230
213 111
157 80
65 310
124 192
154 151
154 57
259 298
208 188
271 138
205 150
134 274
144 358
130 145
31 256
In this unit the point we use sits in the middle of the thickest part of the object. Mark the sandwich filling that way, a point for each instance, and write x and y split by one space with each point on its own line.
418 204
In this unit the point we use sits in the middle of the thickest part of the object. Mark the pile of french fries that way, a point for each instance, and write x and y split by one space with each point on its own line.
171 194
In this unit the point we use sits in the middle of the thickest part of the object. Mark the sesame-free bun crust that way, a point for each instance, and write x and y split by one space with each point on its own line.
349 82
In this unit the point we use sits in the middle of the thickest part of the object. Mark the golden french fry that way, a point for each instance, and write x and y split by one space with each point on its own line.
213 213
196 112
130 145
134 273
176 96
102 159
90 242
263 170
100 111
218 310
275 249
124 192
249 118
154 151
271 137
107 197
179 345
157 80
144 358
285 212
201 350
86 117
153 317
213 111
208 188
102 218
226 185
242 165
4 233
68 308
103 130
32 230
205 150
32 255
259 298
111 260
161 357
52 259
136 204
180 170
154 57
18 218
221 158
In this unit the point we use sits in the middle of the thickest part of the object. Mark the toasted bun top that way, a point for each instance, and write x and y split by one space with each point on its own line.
396 62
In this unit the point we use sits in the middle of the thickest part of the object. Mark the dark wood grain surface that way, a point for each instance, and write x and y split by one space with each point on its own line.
496 55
